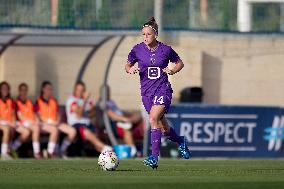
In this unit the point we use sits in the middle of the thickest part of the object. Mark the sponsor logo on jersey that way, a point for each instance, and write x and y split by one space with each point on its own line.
154 72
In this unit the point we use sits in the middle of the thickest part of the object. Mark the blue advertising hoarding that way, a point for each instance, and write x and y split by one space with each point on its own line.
229 131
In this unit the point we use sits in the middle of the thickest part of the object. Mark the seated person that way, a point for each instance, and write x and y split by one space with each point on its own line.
124 120
47 110
8 121
78 108
6 118
26 117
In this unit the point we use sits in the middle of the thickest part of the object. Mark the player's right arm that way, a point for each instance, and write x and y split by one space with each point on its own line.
79 110
130 65
115 117
74 108
131 68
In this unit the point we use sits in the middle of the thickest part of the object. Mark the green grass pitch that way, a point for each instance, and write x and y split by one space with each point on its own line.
193 174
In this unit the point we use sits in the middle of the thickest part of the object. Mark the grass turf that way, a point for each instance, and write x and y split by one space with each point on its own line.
195 174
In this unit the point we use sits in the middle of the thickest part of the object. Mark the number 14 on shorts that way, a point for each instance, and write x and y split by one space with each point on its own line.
159 99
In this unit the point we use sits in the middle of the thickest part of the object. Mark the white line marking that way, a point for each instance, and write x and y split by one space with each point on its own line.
222 148
171 115
220 116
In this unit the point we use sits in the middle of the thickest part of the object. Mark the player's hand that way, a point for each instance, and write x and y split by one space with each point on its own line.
126 119
133 70
86 95
168 71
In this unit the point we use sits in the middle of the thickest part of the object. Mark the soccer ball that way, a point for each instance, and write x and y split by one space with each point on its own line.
108 160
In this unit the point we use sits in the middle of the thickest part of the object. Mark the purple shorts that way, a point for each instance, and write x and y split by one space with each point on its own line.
160 98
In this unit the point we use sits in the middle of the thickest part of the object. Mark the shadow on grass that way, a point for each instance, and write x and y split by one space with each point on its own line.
128 170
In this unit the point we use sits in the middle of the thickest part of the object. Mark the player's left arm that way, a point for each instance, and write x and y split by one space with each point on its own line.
174 58
18 112
178 66
13 122
20 116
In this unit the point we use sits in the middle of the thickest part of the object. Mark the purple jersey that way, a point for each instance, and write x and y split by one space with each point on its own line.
151 65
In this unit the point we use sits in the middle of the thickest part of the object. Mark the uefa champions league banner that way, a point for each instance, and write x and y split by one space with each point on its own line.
228 131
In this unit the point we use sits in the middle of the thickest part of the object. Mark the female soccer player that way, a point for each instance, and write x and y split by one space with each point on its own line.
26 117
153 58
47 110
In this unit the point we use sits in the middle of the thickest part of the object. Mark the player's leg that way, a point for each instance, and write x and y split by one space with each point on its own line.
53 136
155 115
5 142
35 129
71 134
174 137
93 139
135 119
169 132
156 112
127 135
128 139
23 137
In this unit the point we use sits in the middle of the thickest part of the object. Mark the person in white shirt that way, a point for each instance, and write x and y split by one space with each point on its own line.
78 109
123 120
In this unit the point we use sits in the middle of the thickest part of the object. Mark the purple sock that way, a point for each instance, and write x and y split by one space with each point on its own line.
173 136
156 135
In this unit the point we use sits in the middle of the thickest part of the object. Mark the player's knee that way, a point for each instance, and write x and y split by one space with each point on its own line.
72 133
36 129
25 134
87 133
53 131
5 130
153 121
165 130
